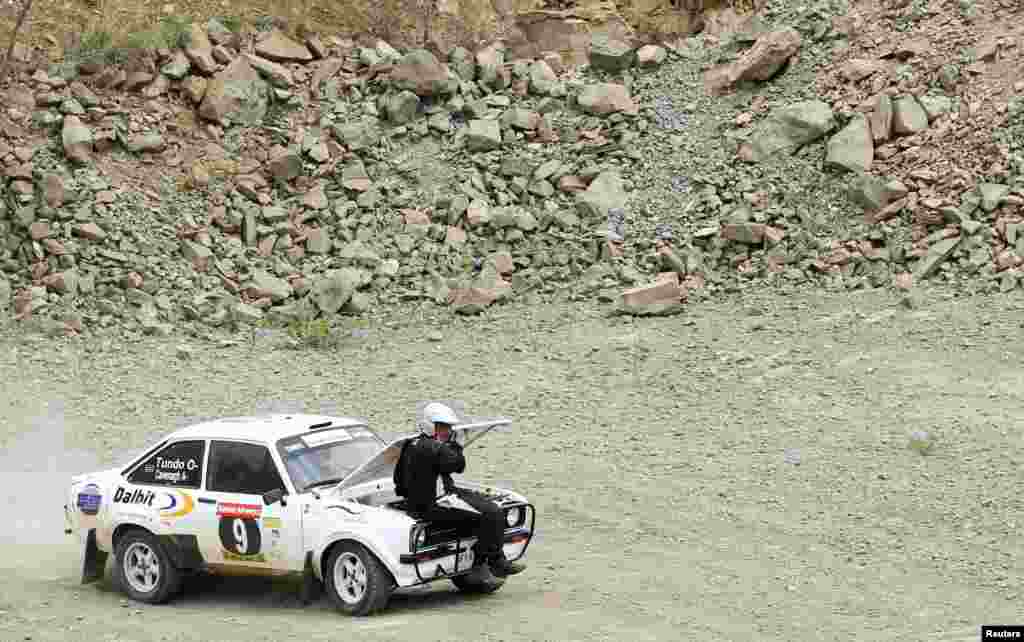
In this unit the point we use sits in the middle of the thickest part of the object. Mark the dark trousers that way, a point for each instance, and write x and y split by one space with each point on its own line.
489 523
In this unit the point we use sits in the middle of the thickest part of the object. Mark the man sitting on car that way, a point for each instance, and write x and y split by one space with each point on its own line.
435 455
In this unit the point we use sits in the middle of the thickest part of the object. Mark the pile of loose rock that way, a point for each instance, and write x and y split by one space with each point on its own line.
308 214
243 178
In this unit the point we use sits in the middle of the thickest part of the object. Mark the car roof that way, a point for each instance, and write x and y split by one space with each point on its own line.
263 428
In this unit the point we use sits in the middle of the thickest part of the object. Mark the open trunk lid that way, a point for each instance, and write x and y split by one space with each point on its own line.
383 463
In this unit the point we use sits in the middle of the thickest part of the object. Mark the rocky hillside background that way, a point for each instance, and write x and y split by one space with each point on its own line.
215 175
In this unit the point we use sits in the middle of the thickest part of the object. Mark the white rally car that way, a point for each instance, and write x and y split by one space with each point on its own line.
277 495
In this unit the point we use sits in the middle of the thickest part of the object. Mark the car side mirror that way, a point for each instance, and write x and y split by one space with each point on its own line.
276 495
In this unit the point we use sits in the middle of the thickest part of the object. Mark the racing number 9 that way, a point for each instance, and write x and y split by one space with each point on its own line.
240 535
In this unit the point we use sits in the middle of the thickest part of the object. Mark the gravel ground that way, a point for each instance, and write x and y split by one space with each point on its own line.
739 472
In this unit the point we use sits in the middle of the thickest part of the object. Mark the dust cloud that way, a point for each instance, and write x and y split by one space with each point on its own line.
35 471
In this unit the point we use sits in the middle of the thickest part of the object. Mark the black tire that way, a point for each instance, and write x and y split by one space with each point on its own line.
377 587
465 584
132 547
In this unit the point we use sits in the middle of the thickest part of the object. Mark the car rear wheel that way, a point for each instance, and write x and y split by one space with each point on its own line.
144 570
356 580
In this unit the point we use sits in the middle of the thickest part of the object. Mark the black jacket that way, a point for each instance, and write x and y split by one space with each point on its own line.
419 465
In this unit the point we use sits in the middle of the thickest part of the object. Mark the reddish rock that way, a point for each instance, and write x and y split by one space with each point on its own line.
1007 259
58 282
903 280
54 247
280 48
454 236
571 184
760 62
53 190
132 281
39 230
415 217
664 291
477 213
470 300
266 246
503 262
671 277
22 304
749 233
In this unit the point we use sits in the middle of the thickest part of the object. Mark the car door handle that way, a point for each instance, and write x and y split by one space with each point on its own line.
206 500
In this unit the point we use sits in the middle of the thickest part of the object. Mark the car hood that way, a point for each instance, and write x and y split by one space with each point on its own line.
382 465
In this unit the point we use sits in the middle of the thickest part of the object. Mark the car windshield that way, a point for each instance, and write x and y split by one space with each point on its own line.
327 456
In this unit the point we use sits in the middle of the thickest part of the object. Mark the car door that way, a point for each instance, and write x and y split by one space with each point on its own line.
161 491
239 531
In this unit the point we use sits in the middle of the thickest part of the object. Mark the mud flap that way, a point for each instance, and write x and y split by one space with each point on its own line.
94 561
312 588
183 551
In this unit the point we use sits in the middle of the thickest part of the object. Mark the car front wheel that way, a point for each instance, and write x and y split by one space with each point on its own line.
144 570
356 580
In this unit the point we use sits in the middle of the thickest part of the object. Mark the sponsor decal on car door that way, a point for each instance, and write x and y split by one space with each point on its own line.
238 530
169 511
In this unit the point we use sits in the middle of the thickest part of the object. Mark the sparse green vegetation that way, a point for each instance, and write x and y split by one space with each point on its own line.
231 23
171 32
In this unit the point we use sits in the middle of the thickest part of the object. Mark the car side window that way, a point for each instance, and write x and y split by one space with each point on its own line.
179 464
237 467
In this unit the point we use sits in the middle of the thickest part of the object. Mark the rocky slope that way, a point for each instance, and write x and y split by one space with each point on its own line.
245 177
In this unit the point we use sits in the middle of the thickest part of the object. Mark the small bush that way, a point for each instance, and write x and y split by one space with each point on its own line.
312 333
176 31
231 23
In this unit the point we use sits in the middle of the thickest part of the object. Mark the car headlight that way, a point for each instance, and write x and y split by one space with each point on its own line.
513 515
421 538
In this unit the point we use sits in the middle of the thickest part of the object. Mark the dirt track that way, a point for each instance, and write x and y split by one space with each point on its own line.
654 451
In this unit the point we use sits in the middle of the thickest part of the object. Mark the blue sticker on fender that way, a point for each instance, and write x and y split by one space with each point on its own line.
89 499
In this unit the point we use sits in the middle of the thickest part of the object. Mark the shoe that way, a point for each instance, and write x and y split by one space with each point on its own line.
481 576
502 567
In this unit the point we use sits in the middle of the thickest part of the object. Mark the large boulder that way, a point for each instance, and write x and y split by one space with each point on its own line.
280 48
483 135
358 134
77 140
543 80
490 72
237 94
760 62
606 98
608 54
605 193
908 116
787 129
265 284
852 148
460 60
335 288
401 108
277 75
420 72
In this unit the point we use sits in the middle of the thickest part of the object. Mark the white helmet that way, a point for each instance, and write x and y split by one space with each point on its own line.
439 413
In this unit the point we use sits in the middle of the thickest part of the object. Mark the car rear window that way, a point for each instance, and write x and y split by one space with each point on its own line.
179 464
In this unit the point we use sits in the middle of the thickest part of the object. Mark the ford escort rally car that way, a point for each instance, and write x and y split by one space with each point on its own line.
296 494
